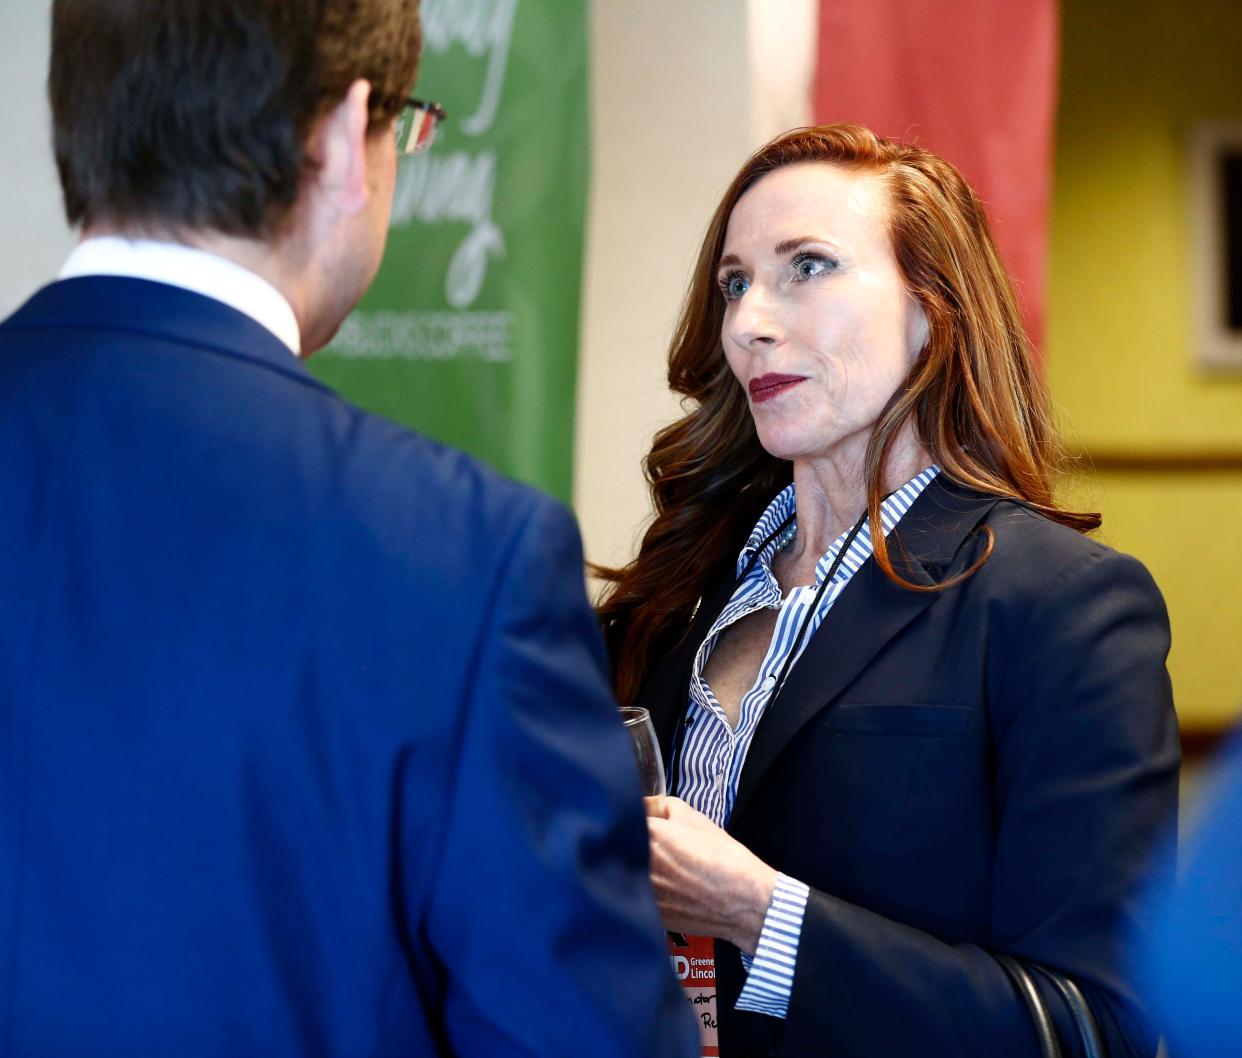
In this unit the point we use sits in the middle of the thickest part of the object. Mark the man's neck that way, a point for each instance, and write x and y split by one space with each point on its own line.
270 261
243 274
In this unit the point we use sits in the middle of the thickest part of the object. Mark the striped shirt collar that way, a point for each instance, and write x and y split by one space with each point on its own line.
784 508
712 754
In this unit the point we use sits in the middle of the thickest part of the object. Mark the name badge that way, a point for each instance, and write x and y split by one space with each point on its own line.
695 968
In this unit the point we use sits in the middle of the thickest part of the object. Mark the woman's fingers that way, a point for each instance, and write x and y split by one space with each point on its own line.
705 881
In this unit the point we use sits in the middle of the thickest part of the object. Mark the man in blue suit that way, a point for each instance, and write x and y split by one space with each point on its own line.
306 745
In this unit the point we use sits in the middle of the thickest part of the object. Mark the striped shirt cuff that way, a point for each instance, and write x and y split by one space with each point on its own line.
770 973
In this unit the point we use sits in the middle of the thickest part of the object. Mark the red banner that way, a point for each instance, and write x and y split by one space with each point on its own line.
973 80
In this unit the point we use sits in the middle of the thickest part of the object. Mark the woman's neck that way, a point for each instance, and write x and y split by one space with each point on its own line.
832 496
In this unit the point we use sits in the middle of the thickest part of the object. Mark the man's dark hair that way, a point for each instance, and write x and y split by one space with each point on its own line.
194 114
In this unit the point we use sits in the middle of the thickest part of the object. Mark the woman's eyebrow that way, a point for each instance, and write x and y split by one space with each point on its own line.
789 245
779 250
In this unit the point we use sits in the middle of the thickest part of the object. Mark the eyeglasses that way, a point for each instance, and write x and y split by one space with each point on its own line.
416 125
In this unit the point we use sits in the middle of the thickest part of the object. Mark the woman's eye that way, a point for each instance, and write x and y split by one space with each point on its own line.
807 266
733 285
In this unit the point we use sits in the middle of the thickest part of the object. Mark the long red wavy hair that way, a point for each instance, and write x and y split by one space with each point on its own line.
974 392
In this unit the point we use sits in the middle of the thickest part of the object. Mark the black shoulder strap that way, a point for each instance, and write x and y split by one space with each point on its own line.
1045 1029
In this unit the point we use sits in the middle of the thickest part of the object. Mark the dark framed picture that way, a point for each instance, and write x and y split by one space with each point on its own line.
1216 228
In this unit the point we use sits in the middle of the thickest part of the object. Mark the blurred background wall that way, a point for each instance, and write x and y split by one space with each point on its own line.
35 237
1162 435
670 120
682 92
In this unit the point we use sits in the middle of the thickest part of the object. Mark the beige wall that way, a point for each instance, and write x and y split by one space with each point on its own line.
682 93
36 238
670 117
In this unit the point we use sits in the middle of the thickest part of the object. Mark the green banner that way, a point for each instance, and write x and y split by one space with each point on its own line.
470 332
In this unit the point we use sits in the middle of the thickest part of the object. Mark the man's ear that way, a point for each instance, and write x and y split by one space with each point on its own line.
338 150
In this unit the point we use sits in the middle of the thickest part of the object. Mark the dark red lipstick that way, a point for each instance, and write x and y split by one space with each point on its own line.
765 387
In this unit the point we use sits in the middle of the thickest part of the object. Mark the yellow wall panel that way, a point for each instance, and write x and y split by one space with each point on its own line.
1136 79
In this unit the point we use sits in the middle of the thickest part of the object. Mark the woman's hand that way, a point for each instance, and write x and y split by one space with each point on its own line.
706 882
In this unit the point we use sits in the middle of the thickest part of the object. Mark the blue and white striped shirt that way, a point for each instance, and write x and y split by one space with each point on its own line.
712 753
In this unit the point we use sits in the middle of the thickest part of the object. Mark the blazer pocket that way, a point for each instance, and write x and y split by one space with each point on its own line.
942 721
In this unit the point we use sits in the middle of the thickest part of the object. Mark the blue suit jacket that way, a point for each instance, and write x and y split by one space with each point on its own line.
1194 960
306 746
988 768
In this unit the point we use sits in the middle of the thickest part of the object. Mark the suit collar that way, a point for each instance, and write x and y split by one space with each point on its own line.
939 521
190 268
871 611
144 307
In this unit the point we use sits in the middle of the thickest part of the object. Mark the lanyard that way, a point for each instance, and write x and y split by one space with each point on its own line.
810 614
674 767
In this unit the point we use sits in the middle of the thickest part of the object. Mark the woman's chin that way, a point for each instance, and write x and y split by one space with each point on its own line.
789 453
793 446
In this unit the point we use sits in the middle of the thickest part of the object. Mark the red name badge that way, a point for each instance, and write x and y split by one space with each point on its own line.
695 968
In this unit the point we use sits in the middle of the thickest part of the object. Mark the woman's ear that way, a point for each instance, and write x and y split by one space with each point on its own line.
918 330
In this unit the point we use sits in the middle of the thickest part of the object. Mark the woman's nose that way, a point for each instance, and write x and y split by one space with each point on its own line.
756 321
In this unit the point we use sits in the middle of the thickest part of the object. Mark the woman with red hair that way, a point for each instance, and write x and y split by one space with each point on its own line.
918 726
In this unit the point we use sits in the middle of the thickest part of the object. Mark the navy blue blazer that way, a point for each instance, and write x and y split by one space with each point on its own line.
306 744
982 769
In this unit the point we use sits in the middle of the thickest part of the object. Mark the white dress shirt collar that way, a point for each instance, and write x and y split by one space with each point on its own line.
191 269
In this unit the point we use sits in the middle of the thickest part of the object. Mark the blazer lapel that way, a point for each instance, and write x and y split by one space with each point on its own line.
668 688
868 615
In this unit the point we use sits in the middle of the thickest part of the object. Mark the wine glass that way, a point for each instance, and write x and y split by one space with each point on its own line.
637 722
